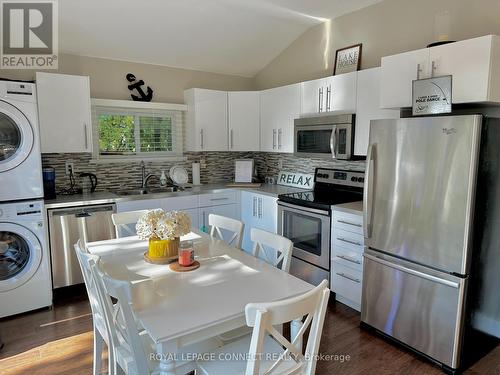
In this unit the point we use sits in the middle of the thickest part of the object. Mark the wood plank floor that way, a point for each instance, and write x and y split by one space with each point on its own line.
59 341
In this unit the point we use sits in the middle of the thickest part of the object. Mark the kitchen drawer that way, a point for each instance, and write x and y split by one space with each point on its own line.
215 199
347 240
346 282
348 222
347 257
180 203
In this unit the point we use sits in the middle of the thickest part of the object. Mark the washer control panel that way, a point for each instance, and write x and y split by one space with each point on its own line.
21 211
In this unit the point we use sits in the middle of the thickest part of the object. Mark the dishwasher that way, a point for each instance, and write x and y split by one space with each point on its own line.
66 227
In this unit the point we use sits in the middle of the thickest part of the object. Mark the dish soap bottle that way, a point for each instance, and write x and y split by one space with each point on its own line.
163 179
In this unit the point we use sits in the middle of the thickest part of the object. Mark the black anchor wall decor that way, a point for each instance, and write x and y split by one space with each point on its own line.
137 85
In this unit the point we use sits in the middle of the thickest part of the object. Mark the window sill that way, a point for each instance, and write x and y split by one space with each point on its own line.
138 159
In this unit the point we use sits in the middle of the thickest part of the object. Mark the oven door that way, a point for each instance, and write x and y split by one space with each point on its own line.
315 140
309 230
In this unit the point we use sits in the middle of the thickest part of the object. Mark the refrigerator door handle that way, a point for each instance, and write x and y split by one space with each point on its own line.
368 192
412 271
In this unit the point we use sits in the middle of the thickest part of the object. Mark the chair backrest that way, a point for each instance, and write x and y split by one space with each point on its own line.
219 223
281 247
120 318
124 222
262 317
83 259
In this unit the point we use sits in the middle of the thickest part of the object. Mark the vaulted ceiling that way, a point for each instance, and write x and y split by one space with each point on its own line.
238 37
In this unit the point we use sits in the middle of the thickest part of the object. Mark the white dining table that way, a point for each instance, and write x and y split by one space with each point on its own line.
181 308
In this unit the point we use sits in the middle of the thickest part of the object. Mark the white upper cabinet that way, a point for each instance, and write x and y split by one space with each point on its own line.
397 75
341 93
473 63
278 109
469 63
64 112
368 108
313 96
244 120
206 120
331 94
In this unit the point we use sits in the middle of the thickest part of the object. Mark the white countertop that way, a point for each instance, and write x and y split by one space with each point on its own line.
105 197
351 207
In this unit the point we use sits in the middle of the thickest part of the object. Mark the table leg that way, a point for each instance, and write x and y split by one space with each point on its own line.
167 361
295 326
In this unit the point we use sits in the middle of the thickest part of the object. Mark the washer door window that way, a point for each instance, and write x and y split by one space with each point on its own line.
16 137
20 255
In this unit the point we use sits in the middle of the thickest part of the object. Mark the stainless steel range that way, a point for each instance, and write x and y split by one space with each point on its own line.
305 218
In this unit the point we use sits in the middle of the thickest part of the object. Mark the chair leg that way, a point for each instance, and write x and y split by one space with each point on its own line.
98 346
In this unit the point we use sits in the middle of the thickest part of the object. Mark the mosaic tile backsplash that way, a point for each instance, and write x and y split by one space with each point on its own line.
216 167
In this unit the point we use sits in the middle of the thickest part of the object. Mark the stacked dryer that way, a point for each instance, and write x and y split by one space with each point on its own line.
24 256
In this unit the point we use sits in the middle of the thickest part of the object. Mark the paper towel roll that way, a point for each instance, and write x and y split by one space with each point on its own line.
196 174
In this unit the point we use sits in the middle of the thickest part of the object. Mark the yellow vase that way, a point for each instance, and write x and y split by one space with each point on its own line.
163 248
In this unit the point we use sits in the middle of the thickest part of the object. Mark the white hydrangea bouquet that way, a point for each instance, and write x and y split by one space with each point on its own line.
163 230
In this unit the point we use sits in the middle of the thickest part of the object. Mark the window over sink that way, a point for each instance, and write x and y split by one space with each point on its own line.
125 129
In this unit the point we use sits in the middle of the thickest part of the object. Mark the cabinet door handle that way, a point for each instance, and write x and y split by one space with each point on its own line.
348 223
341 274
320 99
231 138
219 199
260 208
349 241
328 97
85 134
280 133
201 138
349 259
433 68
274 139
254 208
419 70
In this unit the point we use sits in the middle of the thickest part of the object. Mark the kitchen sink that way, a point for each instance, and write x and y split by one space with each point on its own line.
168 189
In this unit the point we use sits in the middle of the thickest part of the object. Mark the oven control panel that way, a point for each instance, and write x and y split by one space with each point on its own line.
339 177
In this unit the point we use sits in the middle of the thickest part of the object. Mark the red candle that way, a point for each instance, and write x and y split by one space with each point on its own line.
186 254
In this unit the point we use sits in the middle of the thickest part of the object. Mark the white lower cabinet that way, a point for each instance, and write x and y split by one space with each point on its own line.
258 211
347 257
227 210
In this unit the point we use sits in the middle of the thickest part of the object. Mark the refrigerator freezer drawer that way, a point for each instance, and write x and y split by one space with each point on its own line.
420 309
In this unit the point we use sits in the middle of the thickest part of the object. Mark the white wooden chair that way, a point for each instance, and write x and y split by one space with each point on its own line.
219 223
101 334
132 346
124 222
268 351
281 248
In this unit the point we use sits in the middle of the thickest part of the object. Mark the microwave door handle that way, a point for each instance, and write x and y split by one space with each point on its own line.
333 142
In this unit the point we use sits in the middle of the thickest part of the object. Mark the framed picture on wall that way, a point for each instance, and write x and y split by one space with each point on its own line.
347 59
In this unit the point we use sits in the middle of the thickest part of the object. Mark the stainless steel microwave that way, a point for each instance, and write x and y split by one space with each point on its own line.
325 136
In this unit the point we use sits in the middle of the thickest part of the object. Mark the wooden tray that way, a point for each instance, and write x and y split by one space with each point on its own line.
175 266
165 260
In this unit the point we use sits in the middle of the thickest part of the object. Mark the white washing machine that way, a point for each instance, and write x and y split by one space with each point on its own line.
20 155
25 281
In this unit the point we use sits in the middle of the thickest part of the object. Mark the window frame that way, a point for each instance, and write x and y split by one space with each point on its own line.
137 109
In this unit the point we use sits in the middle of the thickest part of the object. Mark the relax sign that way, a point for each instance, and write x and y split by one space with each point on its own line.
300 180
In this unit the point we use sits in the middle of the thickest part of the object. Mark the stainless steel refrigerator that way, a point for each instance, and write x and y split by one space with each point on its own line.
432 215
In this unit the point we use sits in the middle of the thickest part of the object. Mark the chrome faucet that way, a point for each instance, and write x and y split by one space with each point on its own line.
145 178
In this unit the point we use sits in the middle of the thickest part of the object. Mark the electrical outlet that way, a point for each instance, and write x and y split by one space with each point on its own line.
69 167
